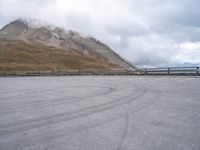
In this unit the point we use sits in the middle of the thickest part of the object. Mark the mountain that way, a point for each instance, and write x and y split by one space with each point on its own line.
29 47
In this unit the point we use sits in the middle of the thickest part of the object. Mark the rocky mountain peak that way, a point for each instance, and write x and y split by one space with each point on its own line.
63 39
15 27
60 32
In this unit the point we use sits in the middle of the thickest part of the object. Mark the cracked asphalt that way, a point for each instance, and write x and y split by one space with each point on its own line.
100 113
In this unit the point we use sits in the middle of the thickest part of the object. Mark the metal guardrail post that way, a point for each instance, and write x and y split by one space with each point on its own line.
168 70
79 72
145 70
197 70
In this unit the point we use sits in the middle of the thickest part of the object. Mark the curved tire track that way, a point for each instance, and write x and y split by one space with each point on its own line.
46 103
53 119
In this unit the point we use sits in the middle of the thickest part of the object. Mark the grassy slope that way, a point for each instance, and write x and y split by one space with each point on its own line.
21 56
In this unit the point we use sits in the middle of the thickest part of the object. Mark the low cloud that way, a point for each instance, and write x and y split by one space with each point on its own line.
147 33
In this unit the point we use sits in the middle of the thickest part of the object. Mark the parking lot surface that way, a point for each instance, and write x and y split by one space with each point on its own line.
100 113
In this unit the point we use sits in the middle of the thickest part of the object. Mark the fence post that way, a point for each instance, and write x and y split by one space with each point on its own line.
168 70
145 70
79 72
197 70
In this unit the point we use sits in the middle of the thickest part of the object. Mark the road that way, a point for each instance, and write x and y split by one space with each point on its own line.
100 113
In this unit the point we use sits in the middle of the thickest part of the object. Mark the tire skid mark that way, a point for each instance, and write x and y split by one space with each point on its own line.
48 120
137 109
72 112
126 119
59 101
25 94
57 135
125 131
30 91
123 137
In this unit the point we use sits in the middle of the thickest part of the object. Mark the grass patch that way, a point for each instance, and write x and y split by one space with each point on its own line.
21 56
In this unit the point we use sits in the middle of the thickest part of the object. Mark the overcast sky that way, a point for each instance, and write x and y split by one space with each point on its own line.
146 32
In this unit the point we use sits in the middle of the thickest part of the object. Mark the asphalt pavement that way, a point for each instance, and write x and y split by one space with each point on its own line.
100 113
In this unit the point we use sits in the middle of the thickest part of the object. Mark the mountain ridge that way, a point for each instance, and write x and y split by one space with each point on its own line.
59 38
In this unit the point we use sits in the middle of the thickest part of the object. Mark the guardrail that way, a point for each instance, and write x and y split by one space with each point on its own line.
146 71
171 71
70 72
